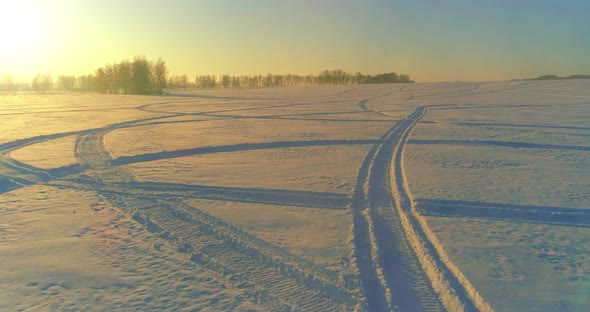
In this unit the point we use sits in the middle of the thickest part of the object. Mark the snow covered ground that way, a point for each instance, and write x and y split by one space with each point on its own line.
440 196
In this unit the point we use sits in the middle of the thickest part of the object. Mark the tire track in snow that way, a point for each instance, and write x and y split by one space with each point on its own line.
21 168
401 264
91 153
364 107
454 290
124 160
391 275
562 216
9 183
490 124
290 283
509 144
302 199
8 147
248 195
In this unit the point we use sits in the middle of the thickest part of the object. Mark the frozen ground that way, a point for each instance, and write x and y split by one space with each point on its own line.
443 196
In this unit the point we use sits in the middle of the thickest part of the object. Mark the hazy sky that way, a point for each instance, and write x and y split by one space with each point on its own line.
434 40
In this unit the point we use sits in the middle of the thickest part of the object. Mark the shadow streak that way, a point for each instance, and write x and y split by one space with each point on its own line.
8 184
478 124
302 199
501 211
124 160
203 96
280 117
501 144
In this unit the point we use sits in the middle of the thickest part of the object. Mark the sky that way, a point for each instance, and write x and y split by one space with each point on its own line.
431 40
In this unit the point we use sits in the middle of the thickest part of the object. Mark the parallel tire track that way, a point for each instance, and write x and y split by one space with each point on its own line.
364 107
266 274
390 272
91 152
401 264
454 290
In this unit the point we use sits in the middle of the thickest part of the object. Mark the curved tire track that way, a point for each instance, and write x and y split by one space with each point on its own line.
390 272
455 291
401 263
364 107
405 268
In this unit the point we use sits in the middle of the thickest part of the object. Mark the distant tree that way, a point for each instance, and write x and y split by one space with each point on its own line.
47 83
326 77
235 82
177 81
42 83
311 80
141 69
67 83
111 78
386 78
267 81
225 81
547 77
578 77
337 76
206 81
124 74
7 83
404 78
144 77
86 83
277 80
555 77
101 83
160 72
359 78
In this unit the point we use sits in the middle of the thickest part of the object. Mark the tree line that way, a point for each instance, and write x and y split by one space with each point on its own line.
8 83
139 76
326 77
142 76
555 77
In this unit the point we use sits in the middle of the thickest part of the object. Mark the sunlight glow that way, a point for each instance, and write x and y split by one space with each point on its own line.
21 28
458 41
24 31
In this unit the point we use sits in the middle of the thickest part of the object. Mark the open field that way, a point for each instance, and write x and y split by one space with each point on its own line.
390 197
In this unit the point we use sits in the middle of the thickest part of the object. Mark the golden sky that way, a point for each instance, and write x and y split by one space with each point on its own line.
431 41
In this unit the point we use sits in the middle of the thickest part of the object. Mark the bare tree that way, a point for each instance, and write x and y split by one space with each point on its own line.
124 73
42 83
101 81
160 72
7 84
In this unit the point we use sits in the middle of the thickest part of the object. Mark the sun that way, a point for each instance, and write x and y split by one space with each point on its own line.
21 27
25 36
